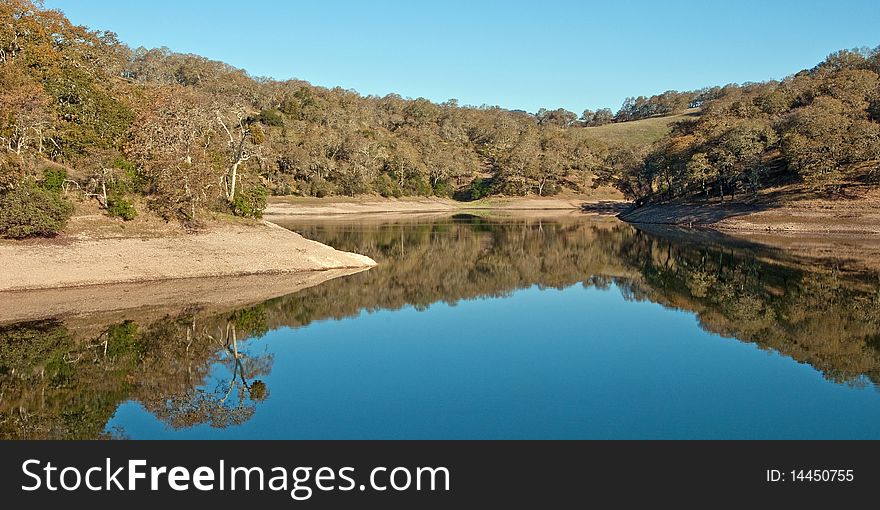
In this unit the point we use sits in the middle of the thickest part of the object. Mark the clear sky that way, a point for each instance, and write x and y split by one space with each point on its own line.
516 54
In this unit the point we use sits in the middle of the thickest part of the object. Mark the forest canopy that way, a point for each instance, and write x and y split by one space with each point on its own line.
819 128
84 116
192 134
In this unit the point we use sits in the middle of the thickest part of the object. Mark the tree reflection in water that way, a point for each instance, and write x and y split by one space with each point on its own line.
65 378
229 394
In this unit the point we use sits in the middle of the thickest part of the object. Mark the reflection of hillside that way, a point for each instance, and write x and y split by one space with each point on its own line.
465 257
814 315
64 378
164 361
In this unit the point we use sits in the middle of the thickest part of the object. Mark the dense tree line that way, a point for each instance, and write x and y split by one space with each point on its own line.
667 103
819 127
82 113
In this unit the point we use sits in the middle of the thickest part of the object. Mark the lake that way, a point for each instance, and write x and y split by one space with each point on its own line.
577 327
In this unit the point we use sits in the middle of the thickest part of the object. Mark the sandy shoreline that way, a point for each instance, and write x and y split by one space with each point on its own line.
845 217
158 298
97 251
314 207
115 255
222 250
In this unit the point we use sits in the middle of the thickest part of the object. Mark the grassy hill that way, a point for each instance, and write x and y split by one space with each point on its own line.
637 132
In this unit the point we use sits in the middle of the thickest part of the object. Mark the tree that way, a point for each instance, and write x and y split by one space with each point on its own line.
700 169
521 163
559 117
624 169
602 117
240 146
26 113
554 163
588 116
176 148
817 142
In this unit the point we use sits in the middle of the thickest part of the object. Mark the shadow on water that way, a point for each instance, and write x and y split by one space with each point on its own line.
606 207
64 378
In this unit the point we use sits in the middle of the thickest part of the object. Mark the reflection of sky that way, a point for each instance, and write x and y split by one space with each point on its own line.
575 363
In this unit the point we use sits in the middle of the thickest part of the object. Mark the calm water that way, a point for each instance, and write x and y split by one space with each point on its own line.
470 328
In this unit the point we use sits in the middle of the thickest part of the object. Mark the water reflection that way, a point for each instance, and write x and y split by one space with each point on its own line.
186 370
66 378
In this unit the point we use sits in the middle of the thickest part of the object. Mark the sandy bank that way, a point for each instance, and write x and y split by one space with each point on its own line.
328 207
854 215
222 250
156 299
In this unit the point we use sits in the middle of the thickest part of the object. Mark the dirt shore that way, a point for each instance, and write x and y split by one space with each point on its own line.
155 299
97 250
221 250
856 214
846 216
329 207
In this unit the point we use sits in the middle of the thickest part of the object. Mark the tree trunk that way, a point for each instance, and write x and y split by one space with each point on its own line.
233 178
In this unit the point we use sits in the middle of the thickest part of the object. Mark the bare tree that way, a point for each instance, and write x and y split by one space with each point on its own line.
240 149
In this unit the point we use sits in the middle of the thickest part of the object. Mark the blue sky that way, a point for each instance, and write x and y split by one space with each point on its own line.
527 55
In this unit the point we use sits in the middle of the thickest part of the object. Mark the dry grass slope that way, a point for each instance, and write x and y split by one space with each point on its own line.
638 132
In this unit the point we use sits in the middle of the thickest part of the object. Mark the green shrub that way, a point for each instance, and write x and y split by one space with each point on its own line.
351 185
291 107
250 202
417 185
320 187
271 118
128 179
53 179
29 211
480 188
119 207
442 189
516 186
387 187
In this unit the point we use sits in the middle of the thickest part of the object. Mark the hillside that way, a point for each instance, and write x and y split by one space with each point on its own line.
89 119
637 133
148 132
817 131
